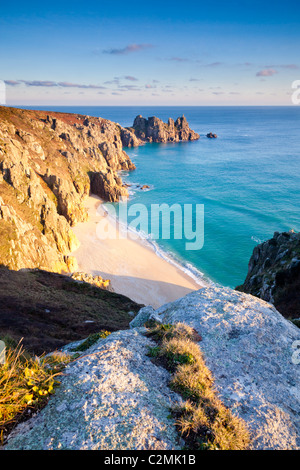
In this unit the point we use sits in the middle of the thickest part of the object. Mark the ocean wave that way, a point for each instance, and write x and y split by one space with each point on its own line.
256 240
134 187
187 268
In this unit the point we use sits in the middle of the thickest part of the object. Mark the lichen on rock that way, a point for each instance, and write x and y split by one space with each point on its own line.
111 398
248 346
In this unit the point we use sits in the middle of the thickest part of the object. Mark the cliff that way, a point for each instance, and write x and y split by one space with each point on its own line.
115 397
274 273
49 162
154 129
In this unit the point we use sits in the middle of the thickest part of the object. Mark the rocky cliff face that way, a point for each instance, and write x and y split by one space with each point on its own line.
154 129
49 162
274 273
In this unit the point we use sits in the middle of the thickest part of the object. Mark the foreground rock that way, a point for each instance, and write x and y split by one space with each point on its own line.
248 346
154 129
274 273
111 398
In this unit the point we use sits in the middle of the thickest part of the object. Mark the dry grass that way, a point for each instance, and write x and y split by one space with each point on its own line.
203 420
25 384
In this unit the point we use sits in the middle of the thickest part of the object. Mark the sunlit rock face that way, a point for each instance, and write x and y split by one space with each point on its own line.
154 129
49 162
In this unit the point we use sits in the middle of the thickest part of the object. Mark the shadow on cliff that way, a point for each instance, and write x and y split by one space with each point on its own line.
49 310
146 291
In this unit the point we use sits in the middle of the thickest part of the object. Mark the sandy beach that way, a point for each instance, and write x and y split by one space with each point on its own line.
132 265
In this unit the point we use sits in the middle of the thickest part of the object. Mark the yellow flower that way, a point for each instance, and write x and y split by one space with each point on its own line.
35 388
28 372
28 398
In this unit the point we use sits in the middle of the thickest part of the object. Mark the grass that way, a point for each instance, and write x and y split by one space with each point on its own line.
202 419
26 383
92 339
50 310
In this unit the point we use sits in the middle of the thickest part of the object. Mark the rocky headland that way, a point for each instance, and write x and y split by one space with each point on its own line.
49 162
154 129
274 273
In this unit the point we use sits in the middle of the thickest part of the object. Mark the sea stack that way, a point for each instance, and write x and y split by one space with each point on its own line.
154 129
210 135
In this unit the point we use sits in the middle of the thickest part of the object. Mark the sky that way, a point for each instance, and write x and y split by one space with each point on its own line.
149 53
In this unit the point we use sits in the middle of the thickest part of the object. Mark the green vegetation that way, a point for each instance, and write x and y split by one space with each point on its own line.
26 383
92 339
203 420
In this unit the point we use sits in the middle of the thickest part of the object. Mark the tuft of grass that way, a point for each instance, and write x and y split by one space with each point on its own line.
26 383
202 419
91 339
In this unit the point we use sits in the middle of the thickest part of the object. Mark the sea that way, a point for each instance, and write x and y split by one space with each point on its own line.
247 181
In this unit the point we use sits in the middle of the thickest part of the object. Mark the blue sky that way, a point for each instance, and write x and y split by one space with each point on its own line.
150 53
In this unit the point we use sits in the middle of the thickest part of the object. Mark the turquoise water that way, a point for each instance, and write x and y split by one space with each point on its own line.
248 179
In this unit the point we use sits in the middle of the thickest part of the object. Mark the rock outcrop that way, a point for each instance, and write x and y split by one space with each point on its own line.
111 398
97 281
249 348
274 273
154 129
49 162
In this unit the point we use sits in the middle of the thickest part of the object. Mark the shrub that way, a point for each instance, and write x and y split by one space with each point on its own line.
26 383
203 420
91 339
